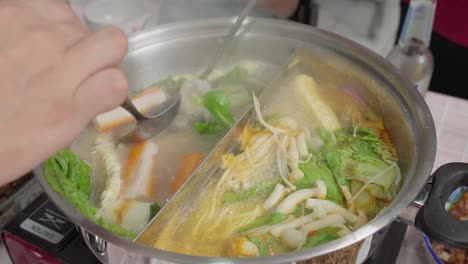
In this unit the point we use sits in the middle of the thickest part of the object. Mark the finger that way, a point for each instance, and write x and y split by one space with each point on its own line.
70 34
95 52
102 92
49 42
58 11
26 20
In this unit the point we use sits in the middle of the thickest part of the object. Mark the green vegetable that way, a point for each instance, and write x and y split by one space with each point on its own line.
266 220
234 85
230 92
229 197
353 158
299 210
170 85
69 176
371 213
335 153
379 147
380 193
218 105
260 244
363 201
154 209
236 76
328 138
207 128
114 228
321 237
316 169
359 157
365 166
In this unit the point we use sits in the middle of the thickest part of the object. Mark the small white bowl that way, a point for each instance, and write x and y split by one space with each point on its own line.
129 15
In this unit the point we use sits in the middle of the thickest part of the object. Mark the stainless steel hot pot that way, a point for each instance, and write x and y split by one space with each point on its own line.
187 47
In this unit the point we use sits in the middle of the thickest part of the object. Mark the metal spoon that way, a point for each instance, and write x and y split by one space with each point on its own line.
228 39
149 126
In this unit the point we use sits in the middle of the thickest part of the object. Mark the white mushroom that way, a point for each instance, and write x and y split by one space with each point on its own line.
274 198
293 161
242 247
293 155
259 231
290 202
281 163
320 212
330 220
332 208
321 188
301 143
344 230
296 175
292 238
294 224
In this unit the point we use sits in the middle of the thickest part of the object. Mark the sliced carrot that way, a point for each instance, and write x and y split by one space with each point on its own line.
187 166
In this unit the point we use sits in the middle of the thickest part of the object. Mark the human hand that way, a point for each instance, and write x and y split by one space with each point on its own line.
282 8
56 77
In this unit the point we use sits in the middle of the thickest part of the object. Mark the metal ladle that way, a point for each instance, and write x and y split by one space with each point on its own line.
149 126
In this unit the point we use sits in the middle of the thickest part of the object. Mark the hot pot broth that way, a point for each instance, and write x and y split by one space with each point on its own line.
122 186
312 165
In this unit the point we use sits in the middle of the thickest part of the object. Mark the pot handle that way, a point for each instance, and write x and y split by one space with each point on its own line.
96 244
433 219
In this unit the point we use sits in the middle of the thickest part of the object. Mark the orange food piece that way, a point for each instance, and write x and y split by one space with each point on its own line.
187 166
139 172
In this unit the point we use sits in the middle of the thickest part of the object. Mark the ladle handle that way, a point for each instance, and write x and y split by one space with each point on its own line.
228 39
433 218
130 107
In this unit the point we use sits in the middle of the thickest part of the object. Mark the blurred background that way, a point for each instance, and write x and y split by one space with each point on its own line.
372 23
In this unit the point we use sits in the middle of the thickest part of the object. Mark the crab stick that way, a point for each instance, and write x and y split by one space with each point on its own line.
119 117
139 172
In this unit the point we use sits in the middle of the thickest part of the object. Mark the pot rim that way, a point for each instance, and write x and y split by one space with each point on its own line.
413 102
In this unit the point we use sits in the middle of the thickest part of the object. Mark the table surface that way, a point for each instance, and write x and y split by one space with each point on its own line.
451 120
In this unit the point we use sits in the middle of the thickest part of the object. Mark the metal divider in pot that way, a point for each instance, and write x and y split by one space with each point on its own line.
187 46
